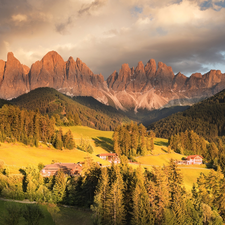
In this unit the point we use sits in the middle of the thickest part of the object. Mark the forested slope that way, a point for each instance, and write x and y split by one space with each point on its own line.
67 111
206 118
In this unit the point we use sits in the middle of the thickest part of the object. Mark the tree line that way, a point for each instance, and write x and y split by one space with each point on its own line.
30 127
68 111
133 140
190 143
206 118
120 194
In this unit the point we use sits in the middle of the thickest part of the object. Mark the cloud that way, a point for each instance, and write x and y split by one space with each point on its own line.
107 33
19 18
93 6
63 27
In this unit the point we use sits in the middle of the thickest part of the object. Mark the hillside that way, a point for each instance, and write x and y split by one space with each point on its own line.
69 111
17 155
3 102
206 118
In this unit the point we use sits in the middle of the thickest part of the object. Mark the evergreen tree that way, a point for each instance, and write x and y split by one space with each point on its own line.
141 207
59 186
117 209
101 207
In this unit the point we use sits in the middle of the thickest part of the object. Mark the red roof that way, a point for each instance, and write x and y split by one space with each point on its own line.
62 166
193 156
108 154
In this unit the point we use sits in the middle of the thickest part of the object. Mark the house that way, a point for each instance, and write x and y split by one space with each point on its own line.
194 159
71 169
112 157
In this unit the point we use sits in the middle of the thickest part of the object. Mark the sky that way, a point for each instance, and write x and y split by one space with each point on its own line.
188 35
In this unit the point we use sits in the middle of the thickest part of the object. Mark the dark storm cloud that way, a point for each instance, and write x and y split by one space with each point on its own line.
63 26
87 8
189 55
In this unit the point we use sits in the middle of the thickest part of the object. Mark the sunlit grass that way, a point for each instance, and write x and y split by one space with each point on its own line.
159 160
18 155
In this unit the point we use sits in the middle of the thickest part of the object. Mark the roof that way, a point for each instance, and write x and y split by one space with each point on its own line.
193 156
62 166
107 154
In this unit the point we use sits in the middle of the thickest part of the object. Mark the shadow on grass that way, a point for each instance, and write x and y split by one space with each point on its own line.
161 143
105 143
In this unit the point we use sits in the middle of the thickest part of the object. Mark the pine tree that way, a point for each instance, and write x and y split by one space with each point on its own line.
141 205
117 209
101 200
59 186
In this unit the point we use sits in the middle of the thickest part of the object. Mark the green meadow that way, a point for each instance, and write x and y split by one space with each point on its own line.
16 156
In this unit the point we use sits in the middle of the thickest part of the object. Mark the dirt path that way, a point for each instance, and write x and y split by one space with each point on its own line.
26 201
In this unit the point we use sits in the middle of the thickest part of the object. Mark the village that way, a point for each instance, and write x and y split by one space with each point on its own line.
75 169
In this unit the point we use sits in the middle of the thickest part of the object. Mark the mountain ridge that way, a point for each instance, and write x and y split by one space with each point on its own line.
149 86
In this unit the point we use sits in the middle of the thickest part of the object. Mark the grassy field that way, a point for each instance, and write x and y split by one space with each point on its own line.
47 220
16 156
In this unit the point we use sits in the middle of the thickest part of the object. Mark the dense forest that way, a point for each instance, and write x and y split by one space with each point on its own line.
30 127
133 140
68 111
121 195
190 143
206 118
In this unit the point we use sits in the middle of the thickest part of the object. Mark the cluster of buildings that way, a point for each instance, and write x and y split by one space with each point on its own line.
74 169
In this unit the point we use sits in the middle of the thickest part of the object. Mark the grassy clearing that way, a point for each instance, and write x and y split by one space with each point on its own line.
191 174
17 156
159 159
83 131
70 215
47 220
101 141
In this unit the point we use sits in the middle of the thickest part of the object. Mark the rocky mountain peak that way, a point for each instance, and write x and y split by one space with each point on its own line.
149 87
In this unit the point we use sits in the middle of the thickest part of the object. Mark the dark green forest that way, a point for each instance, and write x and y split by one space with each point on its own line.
68 111
31 127
206 118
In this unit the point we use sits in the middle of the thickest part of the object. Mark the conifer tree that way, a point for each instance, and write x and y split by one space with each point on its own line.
59 186
102 200
117 209
141 206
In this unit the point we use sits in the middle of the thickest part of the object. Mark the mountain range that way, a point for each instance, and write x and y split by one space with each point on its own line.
146 87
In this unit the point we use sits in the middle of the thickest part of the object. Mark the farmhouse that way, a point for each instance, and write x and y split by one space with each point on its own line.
194 159
71 169
112 157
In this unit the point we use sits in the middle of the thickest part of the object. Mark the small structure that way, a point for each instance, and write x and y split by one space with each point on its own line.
71 169
194 159
190 160
112 157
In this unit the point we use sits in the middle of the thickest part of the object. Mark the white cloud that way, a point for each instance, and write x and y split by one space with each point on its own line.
19 18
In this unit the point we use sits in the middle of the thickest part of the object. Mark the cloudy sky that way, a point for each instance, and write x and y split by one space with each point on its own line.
188 35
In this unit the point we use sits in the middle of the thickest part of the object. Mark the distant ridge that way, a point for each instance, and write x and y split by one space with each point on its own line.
144 87
50 101
206 118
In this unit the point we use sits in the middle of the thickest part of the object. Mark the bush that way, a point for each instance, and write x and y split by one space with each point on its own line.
13 213
32 214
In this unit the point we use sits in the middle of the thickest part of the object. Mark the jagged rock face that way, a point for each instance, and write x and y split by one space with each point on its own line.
49 72
152 88
13 78
144 87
